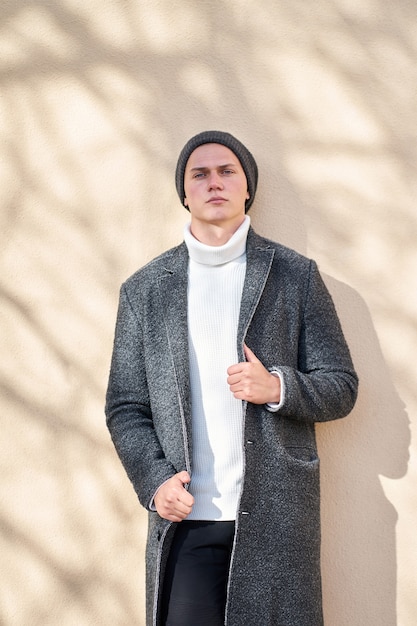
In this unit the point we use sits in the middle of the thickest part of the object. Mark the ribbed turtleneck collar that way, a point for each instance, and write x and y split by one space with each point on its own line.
217 255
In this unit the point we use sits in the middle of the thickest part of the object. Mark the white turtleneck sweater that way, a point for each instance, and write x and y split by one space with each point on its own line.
215 282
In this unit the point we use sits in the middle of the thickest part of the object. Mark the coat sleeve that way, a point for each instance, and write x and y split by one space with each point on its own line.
324 386
128 410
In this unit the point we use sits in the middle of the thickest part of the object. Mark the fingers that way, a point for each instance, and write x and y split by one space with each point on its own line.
241 385
172 501
243 377
184 477
250 356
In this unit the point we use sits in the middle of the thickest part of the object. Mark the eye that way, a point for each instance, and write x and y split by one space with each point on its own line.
198 175
227 172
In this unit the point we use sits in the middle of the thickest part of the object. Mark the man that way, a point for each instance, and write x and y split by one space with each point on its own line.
227 352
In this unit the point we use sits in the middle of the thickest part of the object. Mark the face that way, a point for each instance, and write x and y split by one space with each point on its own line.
215 188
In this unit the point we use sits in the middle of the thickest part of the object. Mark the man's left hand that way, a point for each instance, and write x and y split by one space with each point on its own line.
252 382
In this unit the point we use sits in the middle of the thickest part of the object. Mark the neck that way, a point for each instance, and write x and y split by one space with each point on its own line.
213 234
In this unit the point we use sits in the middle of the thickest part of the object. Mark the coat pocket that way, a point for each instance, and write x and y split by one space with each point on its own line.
302 454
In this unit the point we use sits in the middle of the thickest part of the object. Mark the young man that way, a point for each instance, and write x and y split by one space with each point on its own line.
227 352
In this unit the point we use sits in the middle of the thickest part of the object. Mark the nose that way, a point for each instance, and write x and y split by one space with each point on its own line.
214 181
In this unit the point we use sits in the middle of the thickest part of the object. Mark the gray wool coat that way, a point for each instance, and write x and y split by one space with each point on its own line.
288 319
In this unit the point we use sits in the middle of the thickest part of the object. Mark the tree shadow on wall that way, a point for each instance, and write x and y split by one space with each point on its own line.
358 521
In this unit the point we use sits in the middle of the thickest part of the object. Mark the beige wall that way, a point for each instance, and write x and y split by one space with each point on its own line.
96 99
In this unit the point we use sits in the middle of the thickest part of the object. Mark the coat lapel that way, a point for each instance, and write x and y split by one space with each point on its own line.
173 284
259 257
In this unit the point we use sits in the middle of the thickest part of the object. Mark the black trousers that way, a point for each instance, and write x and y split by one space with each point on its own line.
195 584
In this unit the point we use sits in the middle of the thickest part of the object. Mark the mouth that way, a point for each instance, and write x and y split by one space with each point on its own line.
216 200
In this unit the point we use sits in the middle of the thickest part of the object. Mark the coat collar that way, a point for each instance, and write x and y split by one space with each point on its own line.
173 284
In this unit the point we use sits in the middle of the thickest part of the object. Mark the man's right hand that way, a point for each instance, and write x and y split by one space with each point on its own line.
172 501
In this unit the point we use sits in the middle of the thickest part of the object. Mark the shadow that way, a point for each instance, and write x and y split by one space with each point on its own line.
358 521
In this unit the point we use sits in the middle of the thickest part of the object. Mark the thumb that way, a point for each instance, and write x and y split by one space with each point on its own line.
184 477
250 356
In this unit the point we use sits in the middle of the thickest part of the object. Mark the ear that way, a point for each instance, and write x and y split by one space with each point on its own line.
185 201
247 195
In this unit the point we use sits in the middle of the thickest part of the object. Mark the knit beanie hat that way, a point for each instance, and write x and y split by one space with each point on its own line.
246 159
